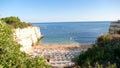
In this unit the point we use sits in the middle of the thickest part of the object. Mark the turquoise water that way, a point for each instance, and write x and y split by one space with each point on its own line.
72 32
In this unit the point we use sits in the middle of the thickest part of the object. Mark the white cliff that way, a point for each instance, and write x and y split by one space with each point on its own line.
27 37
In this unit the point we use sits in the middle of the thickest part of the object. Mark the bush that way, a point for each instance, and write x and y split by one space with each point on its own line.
102 53
10 54
15 22
118 32
11 20
103 39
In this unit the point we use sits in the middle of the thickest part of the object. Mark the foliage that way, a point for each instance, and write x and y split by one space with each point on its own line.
10 54
104 39
15 22
97 65
11 20
105 51
118 32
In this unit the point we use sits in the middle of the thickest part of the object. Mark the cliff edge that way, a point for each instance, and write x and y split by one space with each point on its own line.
114 27
27 37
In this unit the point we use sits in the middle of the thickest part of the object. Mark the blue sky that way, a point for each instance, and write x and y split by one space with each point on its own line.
61 10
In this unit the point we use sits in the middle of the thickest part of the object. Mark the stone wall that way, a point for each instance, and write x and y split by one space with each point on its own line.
27 37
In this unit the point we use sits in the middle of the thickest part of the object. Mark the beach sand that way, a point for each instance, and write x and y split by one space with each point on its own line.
59 55
41 46
62 46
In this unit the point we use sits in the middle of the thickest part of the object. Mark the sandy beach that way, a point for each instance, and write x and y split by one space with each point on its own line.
62 46
59 54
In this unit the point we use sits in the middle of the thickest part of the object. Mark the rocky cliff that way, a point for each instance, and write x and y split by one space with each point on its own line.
27 37
114 27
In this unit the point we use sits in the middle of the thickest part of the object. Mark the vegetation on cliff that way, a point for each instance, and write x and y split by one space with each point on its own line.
15 22
104 54
10 54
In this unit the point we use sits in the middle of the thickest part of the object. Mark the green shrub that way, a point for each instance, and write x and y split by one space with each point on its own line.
103 39
10 54
11 20
15 22
102 53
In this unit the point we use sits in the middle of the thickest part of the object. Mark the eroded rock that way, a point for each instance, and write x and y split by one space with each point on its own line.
27 37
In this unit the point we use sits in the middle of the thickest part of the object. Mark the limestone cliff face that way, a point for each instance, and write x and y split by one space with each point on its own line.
27 37
114 27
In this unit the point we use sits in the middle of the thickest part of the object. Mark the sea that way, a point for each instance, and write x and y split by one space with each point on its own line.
72 32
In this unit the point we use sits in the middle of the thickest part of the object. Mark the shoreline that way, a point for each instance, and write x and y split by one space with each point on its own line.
63 46
60 55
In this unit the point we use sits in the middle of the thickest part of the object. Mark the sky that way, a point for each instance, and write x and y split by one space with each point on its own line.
61 10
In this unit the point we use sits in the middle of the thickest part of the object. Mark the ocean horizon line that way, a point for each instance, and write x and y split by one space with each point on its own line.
75 22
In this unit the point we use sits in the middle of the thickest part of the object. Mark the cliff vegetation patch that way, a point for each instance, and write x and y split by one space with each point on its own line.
10 54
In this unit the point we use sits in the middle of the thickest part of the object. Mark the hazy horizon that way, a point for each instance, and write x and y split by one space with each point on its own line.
61 10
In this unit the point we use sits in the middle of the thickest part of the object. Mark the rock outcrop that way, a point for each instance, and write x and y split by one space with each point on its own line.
27 37
114 27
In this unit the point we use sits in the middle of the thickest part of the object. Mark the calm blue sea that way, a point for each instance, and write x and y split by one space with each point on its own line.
72 32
